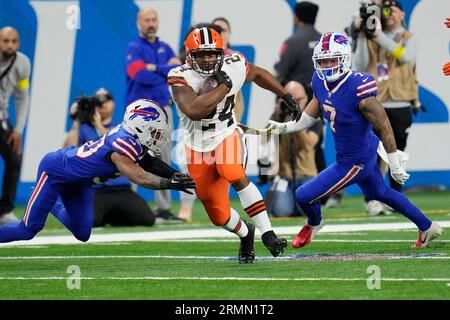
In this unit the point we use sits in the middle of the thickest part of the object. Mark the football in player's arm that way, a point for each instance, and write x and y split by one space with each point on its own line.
198 107
204 90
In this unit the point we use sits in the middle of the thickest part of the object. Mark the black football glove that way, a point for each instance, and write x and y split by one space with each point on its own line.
179 181
222 77
292 106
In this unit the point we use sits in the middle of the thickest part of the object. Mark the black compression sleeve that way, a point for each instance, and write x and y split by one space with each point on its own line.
156 166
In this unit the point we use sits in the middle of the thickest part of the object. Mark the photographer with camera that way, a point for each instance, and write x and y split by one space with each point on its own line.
115 203
388 51
91 117
296 160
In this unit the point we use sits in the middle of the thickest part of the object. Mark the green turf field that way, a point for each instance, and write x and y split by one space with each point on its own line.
337 265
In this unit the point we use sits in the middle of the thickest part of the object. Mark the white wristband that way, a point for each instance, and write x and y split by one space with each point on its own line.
305 122
394 161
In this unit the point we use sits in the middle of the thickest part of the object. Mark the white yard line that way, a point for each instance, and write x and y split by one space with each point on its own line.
209 233
333 256
228 279
315 240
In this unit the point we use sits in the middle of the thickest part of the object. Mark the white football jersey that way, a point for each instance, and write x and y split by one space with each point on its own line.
205 135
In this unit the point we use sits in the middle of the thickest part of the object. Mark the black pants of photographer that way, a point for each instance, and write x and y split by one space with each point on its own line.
401 120
12 168
121 208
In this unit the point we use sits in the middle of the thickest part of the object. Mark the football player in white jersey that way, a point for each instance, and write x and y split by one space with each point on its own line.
204 90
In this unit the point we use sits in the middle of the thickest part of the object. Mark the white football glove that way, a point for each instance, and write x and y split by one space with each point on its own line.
403 157
277 127
399 174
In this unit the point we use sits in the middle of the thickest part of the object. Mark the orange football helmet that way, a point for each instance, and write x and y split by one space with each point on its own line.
201 42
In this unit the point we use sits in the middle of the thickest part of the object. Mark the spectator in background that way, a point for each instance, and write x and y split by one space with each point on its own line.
446 67
295 160
115 203
295 64
14 78
148 60
390 56
295 54
365 10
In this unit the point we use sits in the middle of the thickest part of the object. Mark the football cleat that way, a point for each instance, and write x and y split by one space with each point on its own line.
305 236
425 237
7 217
374 208
274 244
246 249
167 217
334 201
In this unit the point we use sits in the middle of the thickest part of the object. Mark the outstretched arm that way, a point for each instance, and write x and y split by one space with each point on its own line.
156 166
266 80
137 175
307 119
375 114
134 172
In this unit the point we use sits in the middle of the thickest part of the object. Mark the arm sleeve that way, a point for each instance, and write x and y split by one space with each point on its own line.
22 97
361 55
156 166
407 53
305 122
136 68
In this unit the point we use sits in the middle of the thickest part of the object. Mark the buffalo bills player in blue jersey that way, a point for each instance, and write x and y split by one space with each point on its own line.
69 173
347 99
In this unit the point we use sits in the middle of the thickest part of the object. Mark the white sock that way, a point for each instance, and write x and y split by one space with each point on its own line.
187 200
236 225
254 205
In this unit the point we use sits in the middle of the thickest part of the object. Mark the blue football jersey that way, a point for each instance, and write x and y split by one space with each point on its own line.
89 133
353 135
91 162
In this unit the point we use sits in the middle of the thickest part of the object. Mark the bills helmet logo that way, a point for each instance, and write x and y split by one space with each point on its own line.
147 114
341 39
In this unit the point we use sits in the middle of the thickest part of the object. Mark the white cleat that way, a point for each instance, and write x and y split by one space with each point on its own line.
332 203
425 237
7 217
374 208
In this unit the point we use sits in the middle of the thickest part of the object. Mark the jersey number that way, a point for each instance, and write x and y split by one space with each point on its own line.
332 111
232 58
90 147
226 113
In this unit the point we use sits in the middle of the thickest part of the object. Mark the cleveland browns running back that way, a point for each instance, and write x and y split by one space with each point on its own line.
213 144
